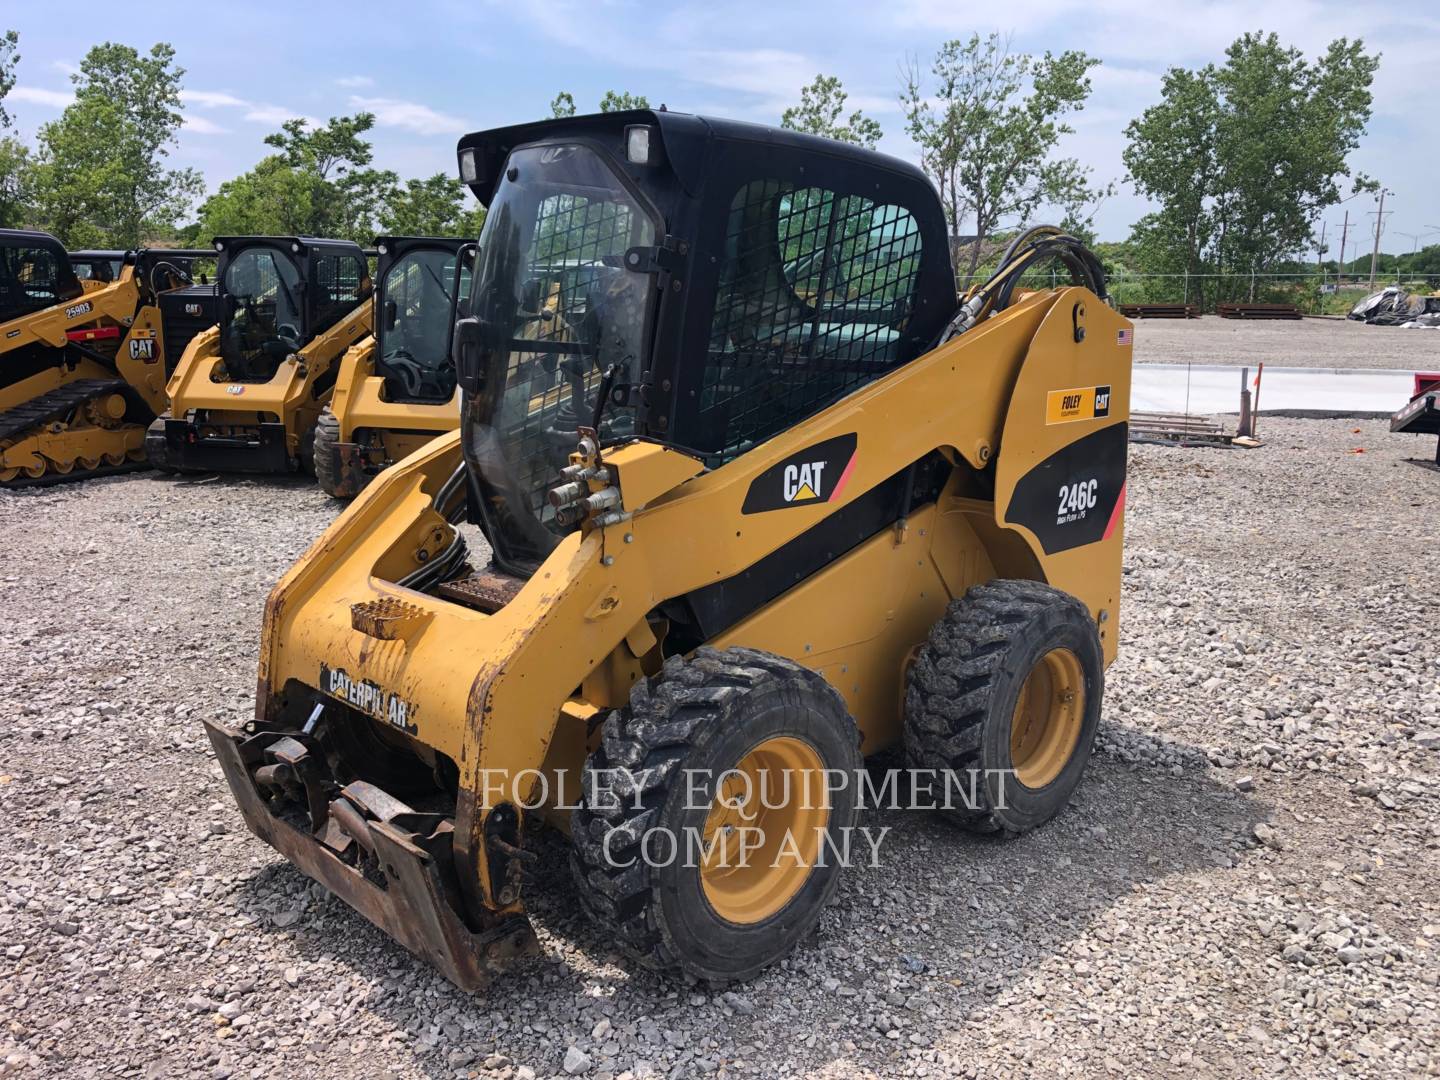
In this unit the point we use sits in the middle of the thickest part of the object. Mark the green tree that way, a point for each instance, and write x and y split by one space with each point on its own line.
272 199
101 177
14 155
821 112
1244 156
14 183
988 133
320 182
9 42
431 207
614 101
622 101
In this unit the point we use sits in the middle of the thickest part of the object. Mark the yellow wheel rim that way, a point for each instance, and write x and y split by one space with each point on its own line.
1049 713
763 834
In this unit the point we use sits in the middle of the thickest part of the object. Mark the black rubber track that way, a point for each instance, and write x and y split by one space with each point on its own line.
58 403
961 692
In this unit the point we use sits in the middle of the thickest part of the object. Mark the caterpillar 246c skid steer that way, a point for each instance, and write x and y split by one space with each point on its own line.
83 362
762 498
396 390
245 396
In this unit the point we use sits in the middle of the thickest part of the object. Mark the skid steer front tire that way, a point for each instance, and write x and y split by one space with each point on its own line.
650 790
1002 703
326 453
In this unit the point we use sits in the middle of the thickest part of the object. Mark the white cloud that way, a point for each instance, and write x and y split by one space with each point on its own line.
276 114
211 99
201 126
54 99
409 114
254 111
355 82
64 67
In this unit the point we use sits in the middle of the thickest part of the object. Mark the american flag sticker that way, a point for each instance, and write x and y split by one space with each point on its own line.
1125 337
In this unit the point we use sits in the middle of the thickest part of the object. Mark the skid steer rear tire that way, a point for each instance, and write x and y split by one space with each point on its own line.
327 455
652 782
1003 701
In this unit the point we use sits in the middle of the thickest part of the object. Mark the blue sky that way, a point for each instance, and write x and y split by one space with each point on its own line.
433 69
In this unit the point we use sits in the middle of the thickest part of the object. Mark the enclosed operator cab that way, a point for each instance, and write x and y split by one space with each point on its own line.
396 389
245 397
754 484
83 354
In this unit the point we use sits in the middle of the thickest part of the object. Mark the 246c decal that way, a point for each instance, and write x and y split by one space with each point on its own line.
1076 500
1075 496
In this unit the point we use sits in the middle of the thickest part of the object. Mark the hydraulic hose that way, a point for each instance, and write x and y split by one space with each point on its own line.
1039 244
443 565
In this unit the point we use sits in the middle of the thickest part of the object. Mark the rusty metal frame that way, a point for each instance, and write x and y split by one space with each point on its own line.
413 908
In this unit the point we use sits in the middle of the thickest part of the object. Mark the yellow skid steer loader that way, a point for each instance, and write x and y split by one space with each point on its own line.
247 394
396 389
83 361
760 497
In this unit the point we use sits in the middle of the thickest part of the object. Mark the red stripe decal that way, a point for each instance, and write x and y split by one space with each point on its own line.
844 478
97 334
1116 514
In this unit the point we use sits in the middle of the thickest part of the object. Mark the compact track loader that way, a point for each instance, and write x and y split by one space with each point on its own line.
245 397
396 389
761 497
83 362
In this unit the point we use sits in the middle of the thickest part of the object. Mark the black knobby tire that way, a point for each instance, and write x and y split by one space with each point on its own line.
703 715
157 453
326 455
961 703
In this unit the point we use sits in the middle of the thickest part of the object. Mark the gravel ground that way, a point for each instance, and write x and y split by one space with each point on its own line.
1322 343
1245 885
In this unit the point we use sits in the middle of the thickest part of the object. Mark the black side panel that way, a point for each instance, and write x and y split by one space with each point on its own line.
1069 499
19 364
183 314
701 615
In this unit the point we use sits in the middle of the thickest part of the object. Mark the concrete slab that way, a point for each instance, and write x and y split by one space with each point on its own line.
1216 389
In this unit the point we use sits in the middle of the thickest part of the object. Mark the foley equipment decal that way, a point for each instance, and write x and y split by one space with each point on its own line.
1078 403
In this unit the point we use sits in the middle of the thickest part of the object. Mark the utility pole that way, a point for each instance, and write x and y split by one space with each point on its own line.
1320 254
1344 235
1379 225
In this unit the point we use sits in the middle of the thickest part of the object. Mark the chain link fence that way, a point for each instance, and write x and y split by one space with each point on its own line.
1315 294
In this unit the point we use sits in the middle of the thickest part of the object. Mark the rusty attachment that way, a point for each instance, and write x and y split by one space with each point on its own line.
388 619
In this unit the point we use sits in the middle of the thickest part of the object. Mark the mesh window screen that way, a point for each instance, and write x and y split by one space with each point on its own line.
340 283
580 300
29 280
814 297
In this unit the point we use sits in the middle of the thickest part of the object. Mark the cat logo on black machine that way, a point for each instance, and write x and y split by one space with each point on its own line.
816 474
